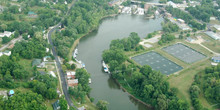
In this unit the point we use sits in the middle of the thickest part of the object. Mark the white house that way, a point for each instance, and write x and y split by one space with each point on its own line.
8 53
170 3
217 27
6 33
52 73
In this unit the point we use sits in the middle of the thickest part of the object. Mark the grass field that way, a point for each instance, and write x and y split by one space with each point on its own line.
212 44
88 104
26 64
185 78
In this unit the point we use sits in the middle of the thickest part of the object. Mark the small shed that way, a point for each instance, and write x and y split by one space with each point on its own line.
32 14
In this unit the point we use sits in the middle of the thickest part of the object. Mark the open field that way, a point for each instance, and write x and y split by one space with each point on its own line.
157 62
184 53
212 44
184 79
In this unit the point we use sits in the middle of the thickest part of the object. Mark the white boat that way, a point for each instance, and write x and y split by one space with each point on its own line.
83 65
90 80
105 67
75 53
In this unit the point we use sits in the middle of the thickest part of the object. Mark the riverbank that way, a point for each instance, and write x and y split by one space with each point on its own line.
76 42
131 95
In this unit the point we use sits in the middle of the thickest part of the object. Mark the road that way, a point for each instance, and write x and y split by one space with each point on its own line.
62 75
13 41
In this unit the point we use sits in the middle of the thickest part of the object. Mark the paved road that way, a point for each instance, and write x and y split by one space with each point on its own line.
62 75
13 41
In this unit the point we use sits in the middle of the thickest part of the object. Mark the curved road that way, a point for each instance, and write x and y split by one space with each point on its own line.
62 75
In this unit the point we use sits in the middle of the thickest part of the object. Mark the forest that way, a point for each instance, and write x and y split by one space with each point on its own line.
84 17
204 11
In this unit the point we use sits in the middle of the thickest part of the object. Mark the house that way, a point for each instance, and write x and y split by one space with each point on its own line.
56 105
52 73
47 58
47 50
70 74
212 18
181 21
168 15
170 3
11 93
72 82
38 63
212 35
114 2
82 108
146 7
216 59
217 27
6 33
189 39
32 14
7 52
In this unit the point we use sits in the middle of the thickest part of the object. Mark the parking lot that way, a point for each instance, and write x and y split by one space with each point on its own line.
184 53
157 62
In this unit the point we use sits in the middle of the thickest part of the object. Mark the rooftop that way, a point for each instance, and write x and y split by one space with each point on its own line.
216 57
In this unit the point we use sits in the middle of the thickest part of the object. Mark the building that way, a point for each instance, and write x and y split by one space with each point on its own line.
216 59
146 7
6 33
38 63
52 73
212 18
217 27
170 3
72 82
47 50
114 2
168 15
181 21
70 74
7 52
82 108
212 35
189 39
47 58
32 14
56 105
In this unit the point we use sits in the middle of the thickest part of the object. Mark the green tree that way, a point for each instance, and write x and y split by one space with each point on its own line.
102 105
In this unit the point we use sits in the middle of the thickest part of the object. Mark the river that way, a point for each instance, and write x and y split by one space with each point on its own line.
90 52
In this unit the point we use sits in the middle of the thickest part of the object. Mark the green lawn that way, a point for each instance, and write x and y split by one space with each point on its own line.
88 104
212 44
184 80
26 64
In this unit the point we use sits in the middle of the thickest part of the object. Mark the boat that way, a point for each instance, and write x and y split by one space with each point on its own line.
75 53
90 80
105 67
83 65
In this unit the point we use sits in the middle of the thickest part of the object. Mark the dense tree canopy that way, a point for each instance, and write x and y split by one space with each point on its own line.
23 101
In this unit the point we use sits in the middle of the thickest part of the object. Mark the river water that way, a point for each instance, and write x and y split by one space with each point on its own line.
90 52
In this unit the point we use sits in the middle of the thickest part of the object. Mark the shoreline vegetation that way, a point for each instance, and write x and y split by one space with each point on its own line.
76 42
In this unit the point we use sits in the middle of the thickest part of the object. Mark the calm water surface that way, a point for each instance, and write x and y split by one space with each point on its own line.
90 52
